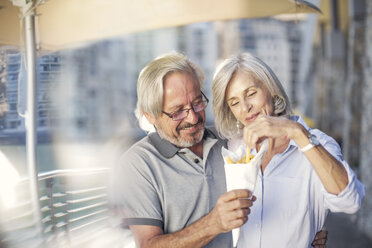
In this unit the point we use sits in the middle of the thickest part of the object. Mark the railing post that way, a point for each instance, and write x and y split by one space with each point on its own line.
66 212
49 184
29 14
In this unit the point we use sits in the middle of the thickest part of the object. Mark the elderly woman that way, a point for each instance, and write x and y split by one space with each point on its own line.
303 174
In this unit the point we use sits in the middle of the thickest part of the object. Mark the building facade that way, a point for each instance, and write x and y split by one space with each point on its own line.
89 92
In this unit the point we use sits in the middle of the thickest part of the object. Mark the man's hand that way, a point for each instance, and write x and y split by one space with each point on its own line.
320 239
231 210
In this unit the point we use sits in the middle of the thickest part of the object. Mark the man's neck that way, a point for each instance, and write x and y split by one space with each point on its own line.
197 149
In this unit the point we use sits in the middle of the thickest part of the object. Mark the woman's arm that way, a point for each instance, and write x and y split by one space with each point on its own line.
330 171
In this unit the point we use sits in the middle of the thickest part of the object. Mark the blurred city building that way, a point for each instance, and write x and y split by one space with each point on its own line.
90 92
13 96
276 42
340 74
10 64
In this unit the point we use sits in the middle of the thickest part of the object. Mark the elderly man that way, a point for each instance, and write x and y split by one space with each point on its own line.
170 186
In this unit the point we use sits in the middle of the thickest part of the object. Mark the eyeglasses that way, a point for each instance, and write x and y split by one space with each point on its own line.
196 107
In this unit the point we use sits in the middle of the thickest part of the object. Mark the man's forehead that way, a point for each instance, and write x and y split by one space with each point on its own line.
176 78
180 86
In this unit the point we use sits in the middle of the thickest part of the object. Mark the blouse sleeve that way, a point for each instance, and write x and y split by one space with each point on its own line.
350 199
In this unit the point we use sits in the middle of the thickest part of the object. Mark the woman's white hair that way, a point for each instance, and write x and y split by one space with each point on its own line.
226 123
150 81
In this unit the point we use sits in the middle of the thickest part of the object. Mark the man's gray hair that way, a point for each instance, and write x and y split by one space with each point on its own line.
150 81
226 124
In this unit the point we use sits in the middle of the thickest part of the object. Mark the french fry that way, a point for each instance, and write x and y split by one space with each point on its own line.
229 161
248 155
245 160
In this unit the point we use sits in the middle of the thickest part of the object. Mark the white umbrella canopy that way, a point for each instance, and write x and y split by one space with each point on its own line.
9 24
61 23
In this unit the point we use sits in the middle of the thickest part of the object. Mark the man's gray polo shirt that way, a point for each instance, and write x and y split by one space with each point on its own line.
158 184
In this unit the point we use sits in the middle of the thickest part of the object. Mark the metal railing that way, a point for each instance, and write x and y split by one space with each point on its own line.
73 203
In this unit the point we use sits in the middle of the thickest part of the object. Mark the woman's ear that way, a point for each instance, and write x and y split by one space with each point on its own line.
279 104
150 118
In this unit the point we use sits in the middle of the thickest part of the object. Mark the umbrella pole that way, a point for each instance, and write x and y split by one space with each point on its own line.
30 118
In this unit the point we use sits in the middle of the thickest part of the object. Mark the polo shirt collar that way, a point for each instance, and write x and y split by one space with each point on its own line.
166 148
163 146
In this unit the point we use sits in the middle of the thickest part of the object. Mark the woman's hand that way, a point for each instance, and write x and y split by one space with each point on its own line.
265 126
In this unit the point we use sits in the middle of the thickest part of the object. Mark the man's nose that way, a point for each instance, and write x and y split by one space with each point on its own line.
191 116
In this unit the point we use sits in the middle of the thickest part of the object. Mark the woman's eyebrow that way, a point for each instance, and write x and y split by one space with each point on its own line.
245 90
230 99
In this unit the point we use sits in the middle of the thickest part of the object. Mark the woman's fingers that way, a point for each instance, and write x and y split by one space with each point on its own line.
265 127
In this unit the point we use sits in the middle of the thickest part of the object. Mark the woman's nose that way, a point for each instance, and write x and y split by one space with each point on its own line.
246 106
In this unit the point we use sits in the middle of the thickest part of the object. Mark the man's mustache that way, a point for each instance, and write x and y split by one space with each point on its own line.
188 125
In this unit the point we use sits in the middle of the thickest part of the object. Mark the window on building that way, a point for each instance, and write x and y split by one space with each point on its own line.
14 124
13 106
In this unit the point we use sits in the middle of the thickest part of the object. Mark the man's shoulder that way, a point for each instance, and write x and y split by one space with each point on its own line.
138 157
143 145
152 146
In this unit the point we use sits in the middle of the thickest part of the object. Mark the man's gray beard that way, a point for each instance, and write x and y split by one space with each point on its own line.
180 142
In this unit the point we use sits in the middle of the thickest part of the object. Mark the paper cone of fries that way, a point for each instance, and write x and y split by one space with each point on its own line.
239 173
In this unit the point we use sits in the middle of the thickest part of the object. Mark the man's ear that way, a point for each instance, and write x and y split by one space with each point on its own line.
150 118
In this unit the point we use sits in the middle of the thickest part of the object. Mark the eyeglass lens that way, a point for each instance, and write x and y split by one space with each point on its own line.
183 113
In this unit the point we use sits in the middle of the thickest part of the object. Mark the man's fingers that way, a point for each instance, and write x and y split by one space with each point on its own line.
320 239
319 242
238 222
232 209
322 234
235 194
242 213
237 204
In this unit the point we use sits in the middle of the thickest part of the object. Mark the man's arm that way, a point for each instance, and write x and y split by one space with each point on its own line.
231 211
